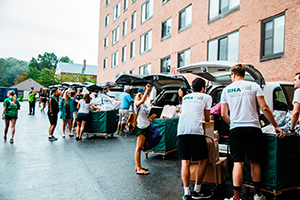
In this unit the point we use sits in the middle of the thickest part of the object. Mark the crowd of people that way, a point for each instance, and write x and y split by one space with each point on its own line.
194 108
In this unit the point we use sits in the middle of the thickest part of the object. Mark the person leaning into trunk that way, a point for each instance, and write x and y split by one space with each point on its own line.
241 98
10 114
191 139
53 111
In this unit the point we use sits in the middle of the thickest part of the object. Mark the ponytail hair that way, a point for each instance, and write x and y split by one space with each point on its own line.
12 94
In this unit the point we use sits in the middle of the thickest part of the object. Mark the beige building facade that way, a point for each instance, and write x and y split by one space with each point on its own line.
153 36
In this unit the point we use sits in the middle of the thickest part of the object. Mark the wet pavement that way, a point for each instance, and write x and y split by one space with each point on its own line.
94 168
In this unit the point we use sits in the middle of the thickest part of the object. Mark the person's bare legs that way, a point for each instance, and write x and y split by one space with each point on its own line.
201 169
63 127
78 129
255 171
82 128
13 127
68 121
139 145
237 174
6 128
51 129
185 172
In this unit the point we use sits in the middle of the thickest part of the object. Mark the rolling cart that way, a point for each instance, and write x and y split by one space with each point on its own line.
280 169
167 144
101 123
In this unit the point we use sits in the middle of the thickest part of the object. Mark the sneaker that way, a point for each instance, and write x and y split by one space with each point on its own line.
4 137
198 195
52 138
11 141
186 197
261 197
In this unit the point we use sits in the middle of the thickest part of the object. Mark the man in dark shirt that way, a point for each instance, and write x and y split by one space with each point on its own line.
52 113
79 94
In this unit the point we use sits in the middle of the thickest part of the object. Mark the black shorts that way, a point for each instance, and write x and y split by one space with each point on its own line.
192 147
52 118
82 117
245 138
144 131
6 117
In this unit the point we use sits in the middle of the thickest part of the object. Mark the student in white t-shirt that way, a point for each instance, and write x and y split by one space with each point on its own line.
191 140
296 103
142 128
241 98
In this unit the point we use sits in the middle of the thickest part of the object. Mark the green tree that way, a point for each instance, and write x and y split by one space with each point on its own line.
9 68
48 60
47 77
66 59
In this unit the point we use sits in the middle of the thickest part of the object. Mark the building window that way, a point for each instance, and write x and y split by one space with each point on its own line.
107 2
105 63
125 5
221 7
133 1
272 39
123 54
117 11
131 71
184 57
106 42
145 70
185 18
115 35
114 59
133 21
225 47
132 49
147 10
124 33
146 42
165 64
106 20
166 28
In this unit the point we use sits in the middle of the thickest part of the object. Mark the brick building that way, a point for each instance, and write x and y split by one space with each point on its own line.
153 36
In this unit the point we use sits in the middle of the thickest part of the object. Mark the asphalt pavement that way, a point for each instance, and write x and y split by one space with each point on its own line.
94 168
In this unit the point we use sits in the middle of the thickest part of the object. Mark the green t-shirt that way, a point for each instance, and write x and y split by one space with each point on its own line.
11 108
31 96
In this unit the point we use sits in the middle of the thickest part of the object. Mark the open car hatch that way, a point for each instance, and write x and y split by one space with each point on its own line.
219 71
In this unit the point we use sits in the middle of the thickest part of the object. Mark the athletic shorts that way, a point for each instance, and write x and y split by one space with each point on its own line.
192 147
144 131
74 114
6 117
245 138
52 119
82 117
123 116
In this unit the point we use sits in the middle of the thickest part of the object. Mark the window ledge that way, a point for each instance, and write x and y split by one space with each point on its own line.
184 28
116 19
123 62
272 57
105 47
125 10
144 52
222 15
165 38
105 68
143 22
115 43
133 30
114 66
124 36
132 58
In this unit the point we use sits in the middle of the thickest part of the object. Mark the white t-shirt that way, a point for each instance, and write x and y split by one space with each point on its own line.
241 99
142 119
193 106
84 107
296 96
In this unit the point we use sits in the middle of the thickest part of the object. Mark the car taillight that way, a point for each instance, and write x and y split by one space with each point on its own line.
151 101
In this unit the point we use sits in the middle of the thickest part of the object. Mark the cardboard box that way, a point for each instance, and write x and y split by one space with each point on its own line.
209 177
210 150
208 128
216 135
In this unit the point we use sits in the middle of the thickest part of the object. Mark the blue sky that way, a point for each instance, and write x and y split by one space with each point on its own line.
64 27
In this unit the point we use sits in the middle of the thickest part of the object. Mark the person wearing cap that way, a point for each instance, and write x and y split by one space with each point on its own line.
125 100
31 100
142 127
